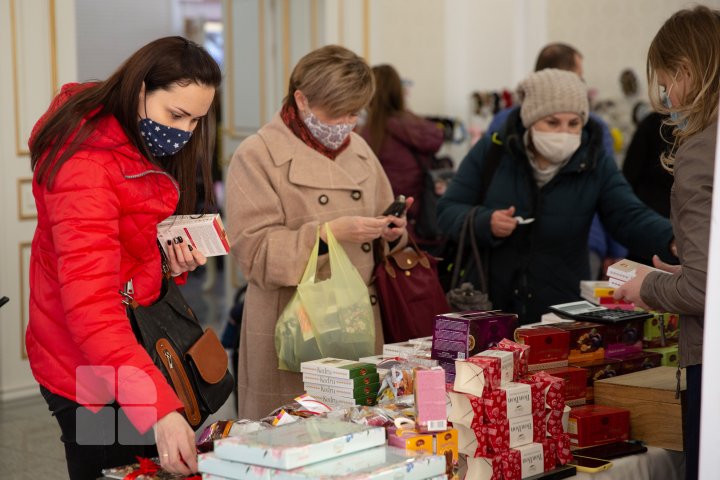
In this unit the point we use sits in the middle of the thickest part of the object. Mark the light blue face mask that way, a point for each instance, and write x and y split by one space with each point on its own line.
674 116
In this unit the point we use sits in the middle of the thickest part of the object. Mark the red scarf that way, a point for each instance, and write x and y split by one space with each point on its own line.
290 117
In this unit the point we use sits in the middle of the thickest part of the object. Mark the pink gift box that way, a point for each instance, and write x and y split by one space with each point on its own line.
430 400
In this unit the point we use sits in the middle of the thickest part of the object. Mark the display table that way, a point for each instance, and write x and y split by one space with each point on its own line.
655 464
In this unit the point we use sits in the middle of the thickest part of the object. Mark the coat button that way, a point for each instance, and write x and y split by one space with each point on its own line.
356 195
366 247
373 299
323 199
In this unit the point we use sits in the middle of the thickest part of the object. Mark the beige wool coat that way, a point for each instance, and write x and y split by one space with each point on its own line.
279 191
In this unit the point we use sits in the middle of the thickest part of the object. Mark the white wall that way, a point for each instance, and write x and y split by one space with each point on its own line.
612 35
108 31
33 63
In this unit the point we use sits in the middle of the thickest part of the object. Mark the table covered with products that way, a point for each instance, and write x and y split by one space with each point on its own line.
479 399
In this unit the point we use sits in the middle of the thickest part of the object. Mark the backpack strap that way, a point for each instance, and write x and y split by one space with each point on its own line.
492 161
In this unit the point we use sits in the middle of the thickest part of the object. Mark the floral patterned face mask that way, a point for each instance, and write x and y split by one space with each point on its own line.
332 136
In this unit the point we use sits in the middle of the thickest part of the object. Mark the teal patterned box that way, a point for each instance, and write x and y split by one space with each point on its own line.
378 463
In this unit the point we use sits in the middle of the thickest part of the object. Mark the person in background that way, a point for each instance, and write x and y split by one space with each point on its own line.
403 142
304 169
644 171
683 67
603 249
111 160
552 169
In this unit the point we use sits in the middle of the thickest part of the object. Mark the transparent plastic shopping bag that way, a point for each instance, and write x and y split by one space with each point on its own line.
327 318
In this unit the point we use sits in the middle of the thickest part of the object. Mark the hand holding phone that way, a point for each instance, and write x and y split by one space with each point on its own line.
396 209
589 464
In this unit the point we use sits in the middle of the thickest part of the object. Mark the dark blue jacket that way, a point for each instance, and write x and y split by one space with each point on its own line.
542 263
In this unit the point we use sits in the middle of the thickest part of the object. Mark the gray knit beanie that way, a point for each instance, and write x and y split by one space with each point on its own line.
552 91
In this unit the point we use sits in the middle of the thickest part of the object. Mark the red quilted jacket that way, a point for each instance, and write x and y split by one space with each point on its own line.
96 230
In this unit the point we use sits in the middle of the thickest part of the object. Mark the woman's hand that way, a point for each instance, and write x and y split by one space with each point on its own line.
176 444
355 229
502 223
391 234
182 257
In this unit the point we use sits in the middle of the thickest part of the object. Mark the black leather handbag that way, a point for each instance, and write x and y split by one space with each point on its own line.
193 361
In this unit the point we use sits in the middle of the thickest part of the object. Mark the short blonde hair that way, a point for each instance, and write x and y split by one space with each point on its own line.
688 39
334 79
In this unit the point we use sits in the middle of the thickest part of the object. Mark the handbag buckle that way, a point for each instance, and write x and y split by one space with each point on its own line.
127 299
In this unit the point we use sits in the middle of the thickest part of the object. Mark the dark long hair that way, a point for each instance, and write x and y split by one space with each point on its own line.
387 102
161 64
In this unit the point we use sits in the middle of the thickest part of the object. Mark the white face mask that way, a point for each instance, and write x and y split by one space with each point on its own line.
555 147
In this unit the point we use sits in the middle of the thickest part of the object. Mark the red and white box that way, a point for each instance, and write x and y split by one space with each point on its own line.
461 410
554 389
537 389
509 401
521 354
507 363
476 374
521 462
595 424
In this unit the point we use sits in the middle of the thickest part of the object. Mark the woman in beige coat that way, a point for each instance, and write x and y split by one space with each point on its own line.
301 170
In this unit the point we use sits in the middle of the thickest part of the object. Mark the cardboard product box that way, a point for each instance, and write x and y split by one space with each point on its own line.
661 330
444 443
351 393
410 439
368 379
337 368
299 443
587 340
547 344
378 463
596 424
623 338
649 395
597 370
429 389
634 362
670 356
402 349
461 335
575 384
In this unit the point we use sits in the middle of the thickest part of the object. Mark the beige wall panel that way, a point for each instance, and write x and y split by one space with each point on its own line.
34 63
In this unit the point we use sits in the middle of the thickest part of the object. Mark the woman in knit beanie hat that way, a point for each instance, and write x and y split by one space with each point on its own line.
554 109
533 188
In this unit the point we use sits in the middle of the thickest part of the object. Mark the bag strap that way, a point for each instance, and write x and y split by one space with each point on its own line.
384 259
492 161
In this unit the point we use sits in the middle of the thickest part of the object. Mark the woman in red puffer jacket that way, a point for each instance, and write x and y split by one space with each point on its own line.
106 172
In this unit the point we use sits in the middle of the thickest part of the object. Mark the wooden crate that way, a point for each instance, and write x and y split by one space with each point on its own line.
655 413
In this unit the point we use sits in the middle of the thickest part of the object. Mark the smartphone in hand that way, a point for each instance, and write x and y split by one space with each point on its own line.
397 208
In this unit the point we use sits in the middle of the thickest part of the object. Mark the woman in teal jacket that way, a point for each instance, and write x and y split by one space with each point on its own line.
550 167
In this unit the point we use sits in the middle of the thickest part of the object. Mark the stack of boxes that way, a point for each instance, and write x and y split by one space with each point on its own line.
316 448
509 423
341 383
